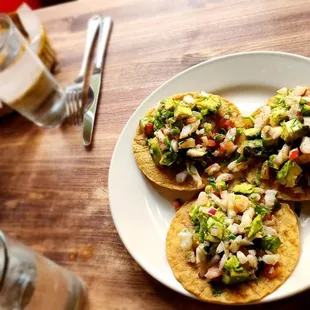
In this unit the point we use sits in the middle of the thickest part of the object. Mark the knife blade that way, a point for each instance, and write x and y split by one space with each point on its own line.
95 79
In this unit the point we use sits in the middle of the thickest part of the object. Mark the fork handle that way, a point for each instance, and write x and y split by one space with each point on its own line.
92 29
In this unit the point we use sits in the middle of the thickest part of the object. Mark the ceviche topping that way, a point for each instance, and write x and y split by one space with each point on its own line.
281 135
189 135
233 238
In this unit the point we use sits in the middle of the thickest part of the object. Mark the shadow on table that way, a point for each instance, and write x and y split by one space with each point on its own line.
15 125
174 300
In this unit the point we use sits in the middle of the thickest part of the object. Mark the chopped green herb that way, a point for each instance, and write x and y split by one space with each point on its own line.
215 288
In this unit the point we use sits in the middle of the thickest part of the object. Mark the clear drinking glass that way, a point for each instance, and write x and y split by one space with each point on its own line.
26 85
29 281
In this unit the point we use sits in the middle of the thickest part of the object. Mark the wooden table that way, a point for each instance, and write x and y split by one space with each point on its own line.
53 191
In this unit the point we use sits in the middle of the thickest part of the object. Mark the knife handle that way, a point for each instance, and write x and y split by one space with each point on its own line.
104 33
92 29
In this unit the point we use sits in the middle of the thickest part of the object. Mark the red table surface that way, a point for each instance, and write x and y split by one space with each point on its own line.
12 5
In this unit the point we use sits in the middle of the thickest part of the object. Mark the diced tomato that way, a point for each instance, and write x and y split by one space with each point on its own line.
177 204
299 113
227 146
268 217
226 123
148 129
294 154
211 143
270 272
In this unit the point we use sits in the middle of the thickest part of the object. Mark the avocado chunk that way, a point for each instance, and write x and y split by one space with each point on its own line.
154 150
170 104
214 225
203 227
234 272
181 112
256 226
168 158
272 163
220 216
277 101
252 148
208 104
220 186
270 243
305 110
243 188
252 133
193 213
289 173
293 129
208 127
277 115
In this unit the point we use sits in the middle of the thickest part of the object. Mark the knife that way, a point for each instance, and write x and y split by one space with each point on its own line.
95 79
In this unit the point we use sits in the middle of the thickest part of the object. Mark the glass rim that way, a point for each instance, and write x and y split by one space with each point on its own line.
3 243
10 27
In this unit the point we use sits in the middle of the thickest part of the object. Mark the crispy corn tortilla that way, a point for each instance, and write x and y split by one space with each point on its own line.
299 193
187 274
165 177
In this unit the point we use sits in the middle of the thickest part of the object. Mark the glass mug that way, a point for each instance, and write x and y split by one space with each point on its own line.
29 281
26 85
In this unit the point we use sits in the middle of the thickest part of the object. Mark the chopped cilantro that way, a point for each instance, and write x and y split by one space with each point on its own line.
216 289
261 210
211 180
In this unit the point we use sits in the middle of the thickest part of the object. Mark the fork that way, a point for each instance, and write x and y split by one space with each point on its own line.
75 92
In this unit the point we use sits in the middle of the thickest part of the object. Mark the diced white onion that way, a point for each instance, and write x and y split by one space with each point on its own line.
233 228
213 272
224 177
188 99
204 94
242 258
186 239
252 252
270 198
196 152
231 134
202 199
200 254
174 145
192 170
223 261
267 230
283 155
220 248
305 145
181 176
262 119
189 129
298 91
211 170
282 91
252 260
271 259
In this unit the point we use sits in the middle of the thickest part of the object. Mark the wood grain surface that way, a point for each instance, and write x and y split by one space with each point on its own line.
53 191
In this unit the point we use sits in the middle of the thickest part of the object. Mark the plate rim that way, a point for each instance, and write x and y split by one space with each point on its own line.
137 110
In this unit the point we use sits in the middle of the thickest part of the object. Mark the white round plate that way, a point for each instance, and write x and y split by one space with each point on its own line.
141 215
